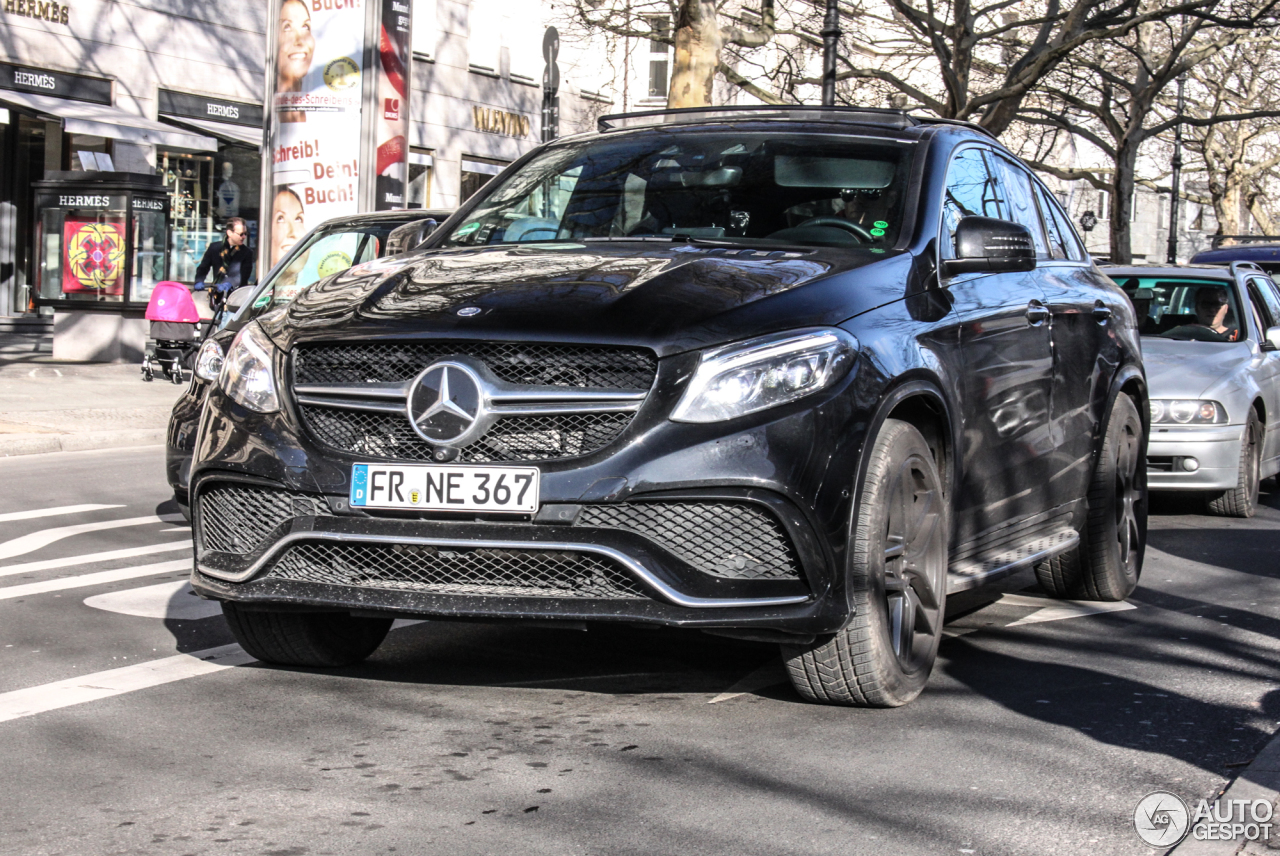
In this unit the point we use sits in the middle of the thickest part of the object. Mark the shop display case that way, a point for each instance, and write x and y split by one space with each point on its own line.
100 239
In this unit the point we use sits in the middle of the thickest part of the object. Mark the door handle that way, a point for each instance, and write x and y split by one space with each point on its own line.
1037 313
1101 312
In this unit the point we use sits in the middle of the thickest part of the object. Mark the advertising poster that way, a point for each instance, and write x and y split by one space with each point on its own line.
392 110
315 121
94 257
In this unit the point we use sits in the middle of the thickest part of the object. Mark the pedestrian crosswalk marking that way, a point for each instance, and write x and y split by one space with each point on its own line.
33 513
113 682
11 592
33 541
171 601
86 558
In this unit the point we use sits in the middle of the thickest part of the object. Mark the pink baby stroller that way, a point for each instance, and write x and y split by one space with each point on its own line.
175 329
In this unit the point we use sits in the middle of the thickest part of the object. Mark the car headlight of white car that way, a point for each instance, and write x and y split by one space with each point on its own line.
1179 411
747 377
247 374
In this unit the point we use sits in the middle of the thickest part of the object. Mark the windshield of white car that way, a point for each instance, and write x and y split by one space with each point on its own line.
1185 309
753 189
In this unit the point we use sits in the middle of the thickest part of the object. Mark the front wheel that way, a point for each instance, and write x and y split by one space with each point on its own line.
1116 531
897 581
314 639
1242 500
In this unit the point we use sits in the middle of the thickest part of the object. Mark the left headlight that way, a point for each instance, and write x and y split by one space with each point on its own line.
747 377
1183 412
209 360
247 375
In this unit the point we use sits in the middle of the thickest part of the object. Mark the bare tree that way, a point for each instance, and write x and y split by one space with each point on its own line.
1111 95
702 30
1240 160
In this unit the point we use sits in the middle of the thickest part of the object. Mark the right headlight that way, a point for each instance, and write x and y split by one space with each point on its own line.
1178 411
751 376
209 360
247 374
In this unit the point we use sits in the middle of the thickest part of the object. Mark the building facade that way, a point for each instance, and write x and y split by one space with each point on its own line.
112 105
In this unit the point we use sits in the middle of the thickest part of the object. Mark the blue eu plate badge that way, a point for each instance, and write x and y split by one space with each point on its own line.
359 484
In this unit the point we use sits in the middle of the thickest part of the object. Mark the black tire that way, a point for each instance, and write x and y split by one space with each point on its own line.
897 584
1060 576
314 639
1242 500
1116 530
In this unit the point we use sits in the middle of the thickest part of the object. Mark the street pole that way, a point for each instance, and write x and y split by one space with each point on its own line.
1176 188
830 38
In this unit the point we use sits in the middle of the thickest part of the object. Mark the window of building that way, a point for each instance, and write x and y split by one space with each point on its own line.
424 27
420 165
205 190
476 172
659 56
87 153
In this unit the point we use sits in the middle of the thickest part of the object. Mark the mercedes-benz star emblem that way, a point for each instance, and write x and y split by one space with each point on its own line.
445 403
468 311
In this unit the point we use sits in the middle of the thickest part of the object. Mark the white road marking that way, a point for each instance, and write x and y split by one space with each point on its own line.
173 600
86 558
34 541
176 529
1058 610
10 592
768 675
52 512
113 682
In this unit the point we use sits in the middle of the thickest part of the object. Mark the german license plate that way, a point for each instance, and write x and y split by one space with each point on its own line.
433 487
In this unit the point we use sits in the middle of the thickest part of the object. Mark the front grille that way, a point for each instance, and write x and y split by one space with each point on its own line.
734 540
439 570
512 438
1160 463
237 517
519 363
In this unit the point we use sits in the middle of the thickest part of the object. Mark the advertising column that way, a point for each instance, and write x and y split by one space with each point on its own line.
337 84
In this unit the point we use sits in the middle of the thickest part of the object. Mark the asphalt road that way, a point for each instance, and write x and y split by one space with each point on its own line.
129 723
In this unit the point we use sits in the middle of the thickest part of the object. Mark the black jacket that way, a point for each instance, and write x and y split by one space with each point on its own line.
239 265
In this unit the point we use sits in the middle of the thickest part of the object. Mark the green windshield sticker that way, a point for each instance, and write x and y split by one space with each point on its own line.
877 232
881 224
467 229
876 250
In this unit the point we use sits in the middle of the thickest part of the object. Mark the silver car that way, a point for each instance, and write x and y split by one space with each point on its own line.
1211 347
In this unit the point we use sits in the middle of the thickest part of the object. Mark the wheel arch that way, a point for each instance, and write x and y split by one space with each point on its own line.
919 401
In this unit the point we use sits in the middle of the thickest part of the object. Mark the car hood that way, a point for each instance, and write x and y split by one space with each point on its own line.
671 298
1177 369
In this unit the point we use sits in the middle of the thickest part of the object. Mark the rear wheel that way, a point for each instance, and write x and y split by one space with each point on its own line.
315 639
1242 500
897 581
1116 531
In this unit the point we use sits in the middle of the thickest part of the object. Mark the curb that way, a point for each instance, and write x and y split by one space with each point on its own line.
1259 781
12 445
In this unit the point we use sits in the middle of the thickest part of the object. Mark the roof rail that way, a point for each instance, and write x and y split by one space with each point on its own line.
1250 265
805 112
1216 242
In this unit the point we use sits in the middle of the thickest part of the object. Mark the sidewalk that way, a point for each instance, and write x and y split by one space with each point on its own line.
47 406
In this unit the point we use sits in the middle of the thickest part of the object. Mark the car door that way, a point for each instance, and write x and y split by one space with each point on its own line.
1086 352
1003 330
1266 303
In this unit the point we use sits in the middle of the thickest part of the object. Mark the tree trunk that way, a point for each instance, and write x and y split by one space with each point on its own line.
1122 187
1227 207
698 43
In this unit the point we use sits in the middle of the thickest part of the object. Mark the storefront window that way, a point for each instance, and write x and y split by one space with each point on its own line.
476 172
88 153
204 192
148 251
82 252
420 163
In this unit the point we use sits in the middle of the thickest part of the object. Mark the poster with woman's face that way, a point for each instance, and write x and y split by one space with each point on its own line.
315 117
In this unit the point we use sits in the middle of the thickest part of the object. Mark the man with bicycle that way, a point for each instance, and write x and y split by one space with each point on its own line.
231 263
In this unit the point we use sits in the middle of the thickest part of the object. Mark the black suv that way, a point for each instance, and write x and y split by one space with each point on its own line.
792 375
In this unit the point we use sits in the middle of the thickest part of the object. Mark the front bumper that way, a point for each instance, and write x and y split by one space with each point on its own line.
1215 448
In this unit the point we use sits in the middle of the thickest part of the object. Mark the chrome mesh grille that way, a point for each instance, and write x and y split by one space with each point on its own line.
439 570
512 438
236 517
520 363
733 540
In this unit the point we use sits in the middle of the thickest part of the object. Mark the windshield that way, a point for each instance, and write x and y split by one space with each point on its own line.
739 188
1187 309
320 254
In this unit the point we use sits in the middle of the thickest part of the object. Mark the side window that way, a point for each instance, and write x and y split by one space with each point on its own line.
1021 202
1058 242
971 192
1263 292
1075 249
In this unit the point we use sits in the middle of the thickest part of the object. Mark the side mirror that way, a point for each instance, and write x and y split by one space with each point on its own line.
405 238
237 298
988 245
1272 339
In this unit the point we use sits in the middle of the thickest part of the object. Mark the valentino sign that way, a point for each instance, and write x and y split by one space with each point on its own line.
497 122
